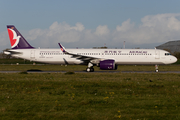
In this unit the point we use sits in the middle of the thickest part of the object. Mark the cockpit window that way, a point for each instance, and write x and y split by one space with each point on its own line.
167 54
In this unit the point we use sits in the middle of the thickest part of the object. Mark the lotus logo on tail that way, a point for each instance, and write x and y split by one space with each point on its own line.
62 49
13 37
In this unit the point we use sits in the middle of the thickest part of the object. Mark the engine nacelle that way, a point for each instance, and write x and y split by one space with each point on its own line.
108 65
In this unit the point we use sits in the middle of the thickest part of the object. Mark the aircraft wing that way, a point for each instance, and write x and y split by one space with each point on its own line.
80 57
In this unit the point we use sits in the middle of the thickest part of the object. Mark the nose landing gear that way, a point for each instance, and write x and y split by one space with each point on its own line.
156 68
91 69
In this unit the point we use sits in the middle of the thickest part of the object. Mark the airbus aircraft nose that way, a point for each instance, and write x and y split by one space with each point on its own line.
174 59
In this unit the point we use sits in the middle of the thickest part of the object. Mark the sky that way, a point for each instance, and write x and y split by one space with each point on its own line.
91 23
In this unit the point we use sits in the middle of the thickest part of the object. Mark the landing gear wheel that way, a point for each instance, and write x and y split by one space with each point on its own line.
156 68
90 69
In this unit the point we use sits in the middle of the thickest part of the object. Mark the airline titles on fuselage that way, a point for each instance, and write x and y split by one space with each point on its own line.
42 53
131 52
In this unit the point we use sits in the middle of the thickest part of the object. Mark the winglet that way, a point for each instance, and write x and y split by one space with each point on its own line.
62 48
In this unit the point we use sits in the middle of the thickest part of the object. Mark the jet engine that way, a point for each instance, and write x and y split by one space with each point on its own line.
108 65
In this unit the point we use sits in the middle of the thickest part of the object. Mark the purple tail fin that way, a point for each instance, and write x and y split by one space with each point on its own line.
16 39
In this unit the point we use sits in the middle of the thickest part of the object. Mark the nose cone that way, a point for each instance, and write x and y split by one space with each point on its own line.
170 59
175 59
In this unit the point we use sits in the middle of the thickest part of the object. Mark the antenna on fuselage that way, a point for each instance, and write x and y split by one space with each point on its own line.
124 45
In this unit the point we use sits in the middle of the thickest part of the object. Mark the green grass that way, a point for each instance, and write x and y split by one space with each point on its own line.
90 96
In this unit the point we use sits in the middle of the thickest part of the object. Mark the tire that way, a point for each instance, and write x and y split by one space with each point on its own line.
88 70
92 69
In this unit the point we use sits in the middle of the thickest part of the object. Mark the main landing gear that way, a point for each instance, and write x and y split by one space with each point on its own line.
156 68
90 67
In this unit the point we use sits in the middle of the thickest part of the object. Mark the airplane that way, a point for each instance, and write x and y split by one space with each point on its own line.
106 59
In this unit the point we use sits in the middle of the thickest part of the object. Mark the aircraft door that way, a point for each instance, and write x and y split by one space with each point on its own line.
32 55
157 54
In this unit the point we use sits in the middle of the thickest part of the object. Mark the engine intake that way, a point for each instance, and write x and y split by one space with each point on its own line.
108 65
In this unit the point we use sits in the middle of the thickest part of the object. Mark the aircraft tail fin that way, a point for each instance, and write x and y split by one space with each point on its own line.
16 39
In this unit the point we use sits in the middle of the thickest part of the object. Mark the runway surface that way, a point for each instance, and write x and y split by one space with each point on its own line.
92 72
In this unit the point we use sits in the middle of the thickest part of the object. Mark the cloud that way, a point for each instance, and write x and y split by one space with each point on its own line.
57 32
154 29
126 25
102 30
166 21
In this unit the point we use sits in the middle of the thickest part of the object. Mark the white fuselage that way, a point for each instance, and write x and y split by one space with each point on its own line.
121 56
